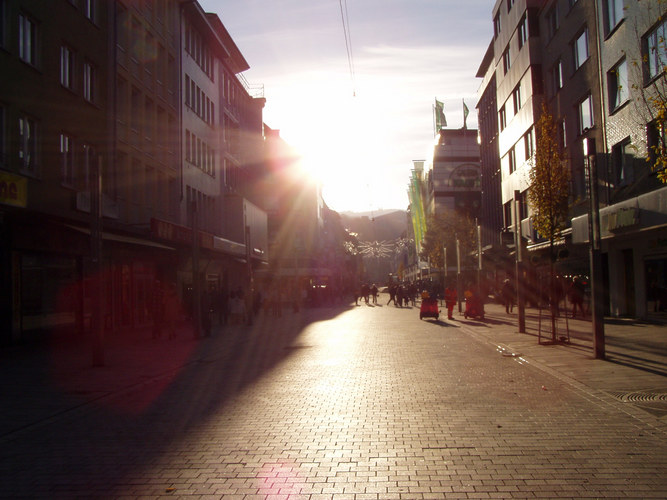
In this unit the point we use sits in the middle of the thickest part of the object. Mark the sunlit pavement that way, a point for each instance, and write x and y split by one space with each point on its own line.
360 402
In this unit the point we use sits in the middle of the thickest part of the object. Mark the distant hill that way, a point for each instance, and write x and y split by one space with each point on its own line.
376 226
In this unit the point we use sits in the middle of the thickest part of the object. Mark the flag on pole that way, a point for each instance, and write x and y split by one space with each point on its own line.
440 120
465 113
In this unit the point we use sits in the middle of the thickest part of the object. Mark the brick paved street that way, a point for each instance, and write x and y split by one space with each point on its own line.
371 403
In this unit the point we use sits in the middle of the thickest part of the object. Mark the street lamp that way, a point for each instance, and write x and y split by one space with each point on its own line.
597 294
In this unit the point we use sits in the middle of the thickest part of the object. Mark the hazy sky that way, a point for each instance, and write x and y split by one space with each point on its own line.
359 135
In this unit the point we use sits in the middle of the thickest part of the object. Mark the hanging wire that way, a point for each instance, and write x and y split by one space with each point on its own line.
348 41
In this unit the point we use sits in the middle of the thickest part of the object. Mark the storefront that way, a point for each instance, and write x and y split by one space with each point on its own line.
634 253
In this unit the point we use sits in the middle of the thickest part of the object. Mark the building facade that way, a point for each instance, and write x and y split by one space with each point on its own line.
142 107
596 66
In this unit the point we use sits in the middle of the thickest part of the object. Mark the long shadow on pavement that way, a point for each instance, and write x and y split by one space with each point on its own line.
108 445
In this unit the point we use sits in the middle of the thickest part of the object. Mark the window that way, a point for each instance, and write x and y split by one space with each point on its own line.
89 81
506 60
135 110
523 31
507 213
503 118
563 135
614 11
656 50
27 144
656 140
528 144
581 49
3 151
496 26
510 4
516 98
586 114
512 159
187 145
552 21
557 76
621 157
87 167
3 28
66 67
617 80
67 160
89 9
121 90
27 40
148 119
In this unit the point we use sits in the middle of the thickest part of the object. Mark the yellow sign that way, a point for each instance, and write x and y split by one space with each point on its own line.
13 190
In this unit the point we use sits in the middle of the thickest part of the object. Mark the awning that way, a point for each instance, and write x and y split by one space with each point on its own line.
123 239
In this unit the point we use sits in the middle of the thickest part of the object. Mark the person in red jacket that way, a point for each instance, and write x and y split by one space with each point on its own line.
450 300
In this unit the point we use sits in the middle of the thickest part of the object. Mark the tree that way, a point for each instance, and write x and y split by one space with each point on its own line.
442 231
549 193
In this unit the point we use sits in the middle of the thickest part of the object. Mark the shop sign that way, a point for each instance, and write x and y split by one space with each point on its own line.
622 218
180 234
13 190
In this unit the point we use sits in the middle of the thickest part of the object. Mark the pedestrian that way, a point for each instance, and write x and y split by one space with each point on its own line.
392 294
576 293
237 307
451 298
374 293
508 296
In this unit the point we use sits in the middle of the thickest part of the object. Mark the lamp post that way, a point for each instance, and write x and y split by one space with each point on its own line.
96 321
597 293
196 284
458 273
521 309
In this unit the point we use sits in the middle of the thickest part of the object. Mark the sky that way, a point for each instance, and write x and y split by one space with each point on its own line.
359 130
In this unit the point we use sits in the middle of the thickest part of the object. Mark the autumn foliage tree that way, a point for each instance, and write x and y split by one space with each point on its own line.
549 191
442 231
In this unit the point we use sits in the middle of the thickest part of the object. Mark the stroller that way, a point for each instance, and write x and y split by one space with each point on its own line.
429 308
474 307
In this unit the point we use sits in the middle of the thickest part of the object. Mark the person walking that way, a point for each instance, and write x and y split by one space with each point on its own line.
576 293
507 294
392 294
374 293
450 300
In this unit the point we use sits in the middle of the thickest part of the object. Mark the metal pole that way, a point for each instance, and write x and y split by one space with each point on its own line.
96 320
597 293
479 259
458 273
196 285
519 264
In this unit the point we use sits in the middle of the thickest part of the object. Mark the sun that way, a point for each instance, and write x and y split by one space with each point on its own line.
336 147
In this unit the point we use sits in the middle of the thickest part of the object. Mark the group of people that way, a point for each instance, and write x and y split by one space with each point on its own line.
402 294
574 290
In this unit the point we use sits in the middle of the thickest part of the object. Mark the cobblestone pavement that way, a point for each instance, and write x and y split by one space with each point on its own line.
360 403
